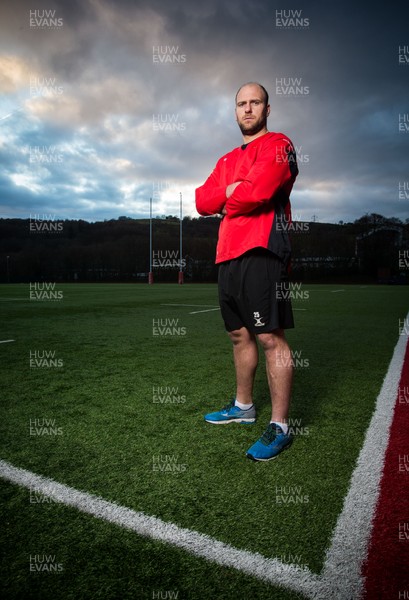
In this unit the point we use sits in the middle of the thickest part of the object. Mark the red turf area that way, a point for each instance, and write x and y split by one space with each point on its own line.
387 567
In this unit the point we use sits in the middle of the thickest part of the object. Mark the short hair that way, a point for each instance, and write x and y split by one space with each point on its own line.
263 89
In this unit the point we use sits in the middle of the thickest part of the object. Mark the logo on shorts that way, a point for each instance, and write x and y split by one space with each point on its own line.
257 319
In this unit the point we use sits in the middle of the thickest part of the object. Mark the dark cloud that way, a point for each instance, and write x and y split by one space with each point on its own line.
127 126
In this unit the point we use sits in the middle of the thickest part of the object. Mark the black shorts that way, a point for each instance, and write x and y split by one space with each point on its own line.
250 293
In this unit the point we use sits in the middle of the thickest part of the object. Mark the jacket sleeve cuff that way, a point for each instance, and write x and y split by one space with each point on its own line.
211 202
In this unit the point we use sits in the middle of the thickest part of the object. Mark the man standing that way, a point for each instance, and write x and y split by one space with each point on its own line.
250 186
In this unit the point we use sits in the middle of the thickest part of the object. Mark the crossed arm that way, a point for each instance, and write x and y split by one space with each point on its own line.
229 190
264 178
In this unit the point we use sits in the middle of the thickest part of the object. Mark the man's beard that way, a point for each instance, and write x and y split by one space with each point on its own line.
253 127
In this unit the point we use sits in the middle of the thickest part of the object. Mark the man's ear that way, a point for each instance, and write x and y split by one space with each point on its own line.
268 109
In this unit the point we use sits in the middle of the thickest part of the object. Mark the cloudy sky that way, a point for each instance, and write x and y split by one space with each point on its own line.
106 103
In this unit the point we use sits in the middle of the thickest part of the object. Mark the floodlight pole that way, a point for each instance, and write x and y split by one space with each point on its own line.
150 276
180 278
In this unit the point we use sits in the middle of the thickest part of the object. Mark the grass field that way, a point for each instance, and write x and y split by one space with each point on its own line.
104 389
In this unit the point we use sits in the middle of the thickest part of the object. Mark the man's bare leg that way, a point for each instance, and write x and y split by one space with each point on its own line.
245 353
279 372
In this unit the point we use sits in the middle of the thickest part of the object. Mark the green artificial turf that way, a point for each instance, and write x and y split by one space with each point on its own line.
109 431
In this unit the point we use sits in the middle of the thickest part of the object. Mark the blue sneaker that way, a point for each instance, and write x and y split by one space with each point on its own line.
271 443
232 414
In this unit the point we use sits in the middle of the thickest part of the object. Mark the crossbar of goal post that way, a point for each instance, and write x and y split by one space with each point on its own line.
180 276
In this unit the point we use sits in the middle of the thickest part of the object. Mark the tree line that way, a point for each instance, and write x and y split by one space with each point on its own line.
372 248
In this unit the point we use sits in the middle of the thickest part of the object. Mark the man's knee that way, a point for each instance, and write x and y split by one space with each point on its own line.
272 340
241 336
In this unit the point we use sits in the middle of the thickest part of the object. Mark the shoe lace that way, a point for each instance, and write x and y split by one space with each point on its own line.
270 434
229 405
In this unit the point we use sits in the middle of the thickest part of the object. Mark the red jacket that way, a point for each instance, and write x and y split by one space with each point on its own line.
258 211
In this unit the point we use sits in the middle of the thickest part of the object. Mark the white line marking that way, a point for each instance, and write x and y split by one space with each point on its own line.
313 289
341 575
212 305
267 569
195 312
6 341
